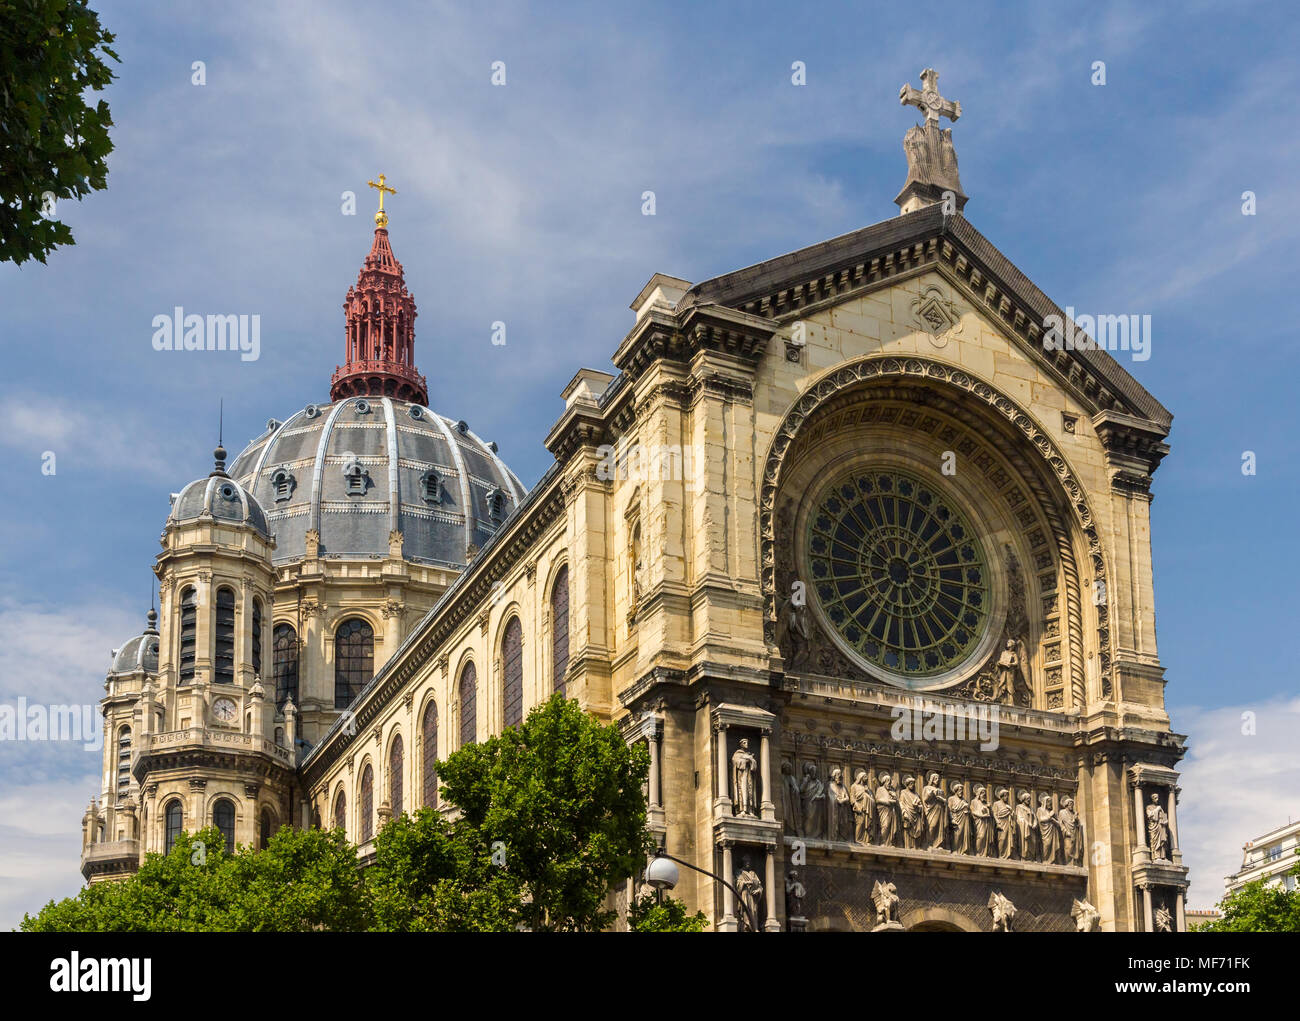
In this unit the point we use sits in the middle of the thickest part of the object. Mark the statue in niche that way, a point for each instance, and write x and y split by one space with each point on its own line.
1003 911
1011 687
1026 825
750 888
864 808
981 818
936 816
1085 916
1157 829
744 766
884 895
840 824
794 894
1164 921
793 629
1049 834
1002 823
1071 833
813 795
959 816
791 805
886 810
911 813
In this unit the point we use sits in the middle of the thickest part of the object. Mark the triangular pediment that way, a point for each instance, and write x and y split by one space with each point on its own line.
795 285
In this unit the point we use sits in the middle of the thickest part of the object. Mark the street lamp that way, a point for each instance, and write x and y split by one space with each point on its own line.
662 874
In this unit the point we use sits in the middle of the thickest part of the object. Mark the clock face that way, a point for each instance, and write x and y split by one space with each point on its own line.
223 709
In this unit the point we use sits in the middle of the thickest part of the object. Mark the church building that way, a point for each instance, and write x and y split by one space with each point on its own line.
852 539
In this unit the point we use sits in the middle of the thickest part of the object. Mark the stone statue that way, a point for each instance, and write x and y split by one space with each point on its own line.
886 810
794 895
813 795
981 817
1002 822
1071 833
791 803
1010 686
750 887
959 816
744 767
1026 825
1085 916
885 897
1157 829
1004 912
912 814
864 808
1049 834
936 816
793 631
931 159
840 812
1164 921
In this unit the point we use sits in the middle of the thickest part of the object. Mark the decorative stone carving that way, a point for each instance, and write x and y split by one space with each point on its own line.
1164 921
911 814
1049 833
839 811
744 768
1026 827
936 814
884 895
791 800
1157 829
981 816
886 810
1003 911
1002 821
1071 833
936 314
1085 916
793 631
750 888
864 808
931 159
794 894
812 793
959 819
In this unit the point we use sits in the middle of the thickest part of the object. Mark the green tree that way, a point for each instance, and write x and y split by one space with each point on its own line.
558 806
1259 908
55 144
647 914
304 880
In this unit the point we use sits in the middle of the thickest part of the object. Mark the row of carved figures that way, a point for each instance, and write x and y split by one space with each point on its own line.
960 821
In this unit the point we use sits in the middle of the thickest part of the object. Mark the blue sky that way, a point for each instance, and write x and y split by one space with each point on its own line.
522 204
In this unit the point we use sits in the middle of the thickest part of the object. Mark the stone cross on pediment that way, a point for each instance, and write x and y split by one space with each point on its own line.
928 99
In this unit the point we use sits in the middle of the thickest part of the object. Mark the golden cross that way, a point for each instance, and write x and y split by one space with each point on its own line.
381 218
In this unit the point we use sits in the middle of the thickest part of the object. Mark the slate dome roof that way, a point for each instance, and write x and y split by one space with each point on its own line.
361 467
221 496
140 653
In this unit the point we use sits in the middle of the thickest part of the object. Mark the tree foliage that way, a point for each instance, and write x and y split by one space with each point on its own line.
55 144
648 914
1258 908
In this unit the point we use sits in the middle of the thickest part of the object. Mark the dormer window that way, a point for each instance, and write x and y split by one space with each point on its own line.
431 487
284 484
496 505
355 479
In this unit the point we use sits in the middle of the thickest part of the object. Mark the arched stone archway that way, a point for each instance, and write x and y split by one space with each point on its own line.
937 919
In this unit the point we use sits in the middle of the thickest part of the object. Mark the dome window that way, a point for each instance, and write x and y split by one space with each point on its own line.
416 412
355 478
311 411
363 407
496 505
284 484
228 492
431 487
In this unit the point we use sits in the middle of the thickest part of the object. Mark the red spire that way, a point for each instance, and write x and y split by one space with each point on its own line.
380 332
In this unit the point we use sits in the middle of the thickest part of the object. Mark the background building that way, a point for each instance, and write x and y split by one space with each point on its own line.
1268 857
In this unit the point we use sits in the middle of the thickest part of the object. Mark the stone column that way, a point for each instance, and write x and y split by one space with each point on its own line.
728 923
1146 909
770 921
1140 819
767 809
655 798
724 793
1182 911
1174 854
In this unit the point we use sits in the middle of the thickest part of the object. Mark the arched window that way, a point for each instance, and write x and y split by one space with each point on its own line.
223 663
189 624
264 830
430 770
341 811
366 802
223 818
512 674
468 705
123 760
286 665
257 637
174 817
396 762
560 629
354 660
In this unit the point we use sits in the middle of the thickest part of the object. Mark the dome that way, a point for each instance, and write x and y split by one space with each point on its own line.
222 497
361 467
140 653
